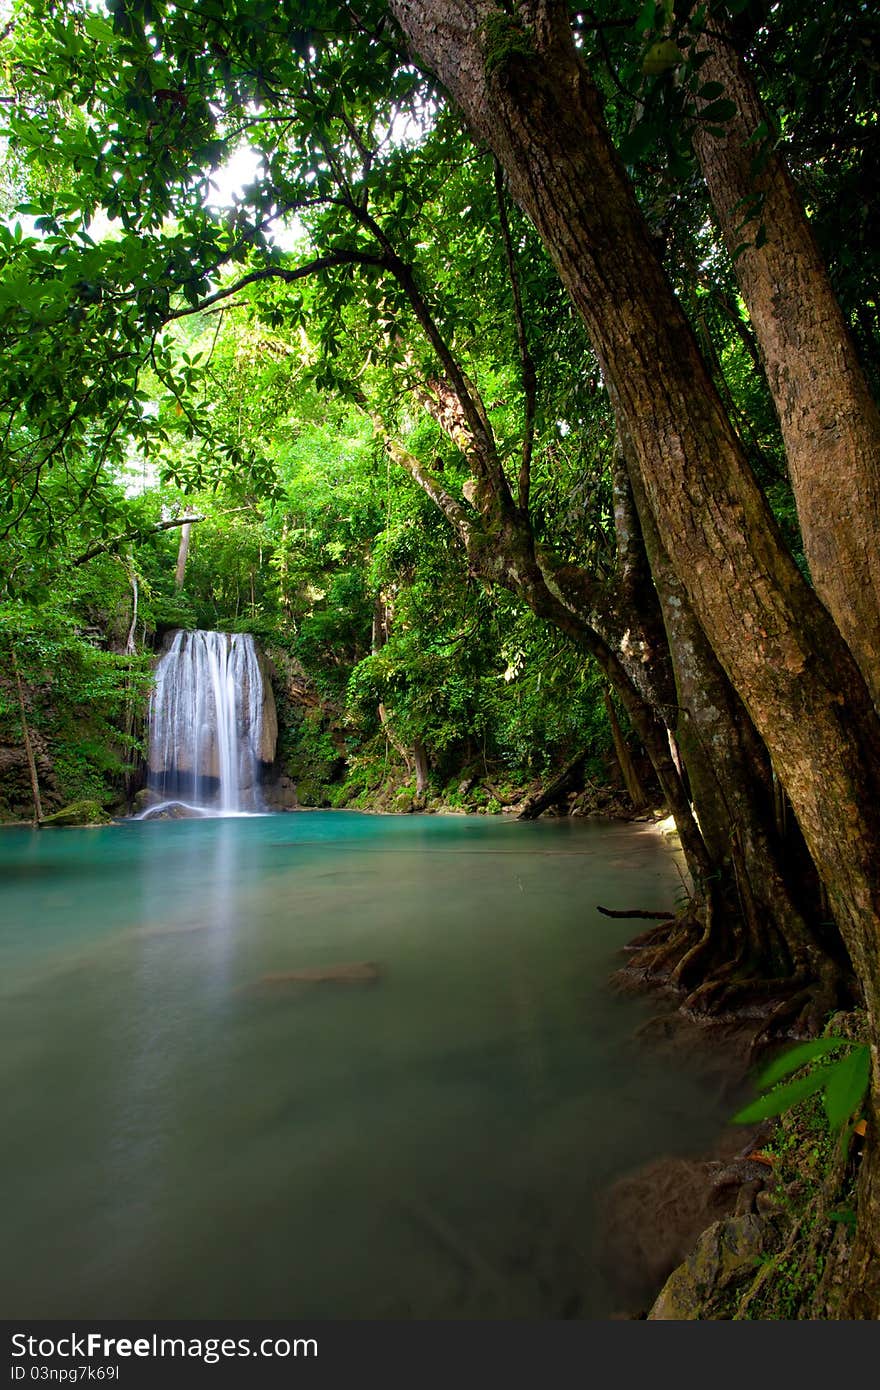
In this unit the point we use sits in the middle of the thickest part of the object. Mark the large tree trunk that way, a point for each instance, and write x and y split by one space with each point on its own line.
182 553
420 759
777 898
503 552
524 90
829 420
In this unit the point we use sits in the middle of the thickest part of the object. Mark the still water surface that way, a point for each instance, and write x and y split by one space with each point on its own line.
186 1139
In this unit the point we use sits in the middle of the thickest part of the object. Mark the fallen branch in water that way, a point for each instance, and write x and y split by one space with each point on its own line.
137 533
637 912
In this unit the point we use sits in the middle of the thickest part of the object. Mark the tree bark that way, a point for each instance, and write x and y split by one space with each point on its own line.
829 421
502 551
420 758
182 553
737 869
731 780
129 641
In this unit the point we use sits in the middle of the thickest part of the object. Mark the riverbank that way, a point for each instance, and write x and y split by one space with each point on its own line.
761 1226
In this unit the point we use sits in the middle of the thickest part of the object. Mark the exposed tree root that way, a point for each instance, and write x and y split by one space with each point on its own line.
636 912
691 955
804 1012
676 946
696 952
728 994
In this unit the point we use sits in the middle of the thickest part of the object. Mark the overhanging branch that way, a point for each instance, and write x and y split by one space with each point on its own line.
106 547
287 275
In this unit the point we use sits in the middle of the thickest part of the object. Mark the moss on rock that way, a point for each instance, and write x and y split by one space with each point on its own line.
78 813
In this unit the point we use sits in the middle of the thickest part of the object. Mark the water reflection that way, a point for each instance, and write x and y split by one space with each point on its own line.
202 1128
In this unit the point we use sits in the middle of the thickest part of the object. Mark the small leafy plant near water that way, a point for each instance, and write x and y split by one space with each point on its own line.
817 1090
843 1081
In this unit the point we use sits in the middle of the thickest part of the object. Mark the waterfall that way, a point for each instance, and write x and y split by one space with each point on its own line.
206 723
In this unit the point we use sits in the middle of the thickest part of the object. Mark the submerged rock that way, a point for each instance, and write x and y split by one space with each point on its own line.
652 1219
352 973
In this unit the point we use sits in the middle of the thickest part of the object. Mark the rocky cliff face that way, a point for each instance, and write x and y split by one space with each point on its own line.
268 713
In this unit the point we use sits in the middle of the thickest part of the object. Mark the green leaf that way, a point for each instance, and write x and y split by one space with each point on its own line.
719 111
846 1085
662 56
783 1098
98 29
797 1057
845 1215
646 17
637 142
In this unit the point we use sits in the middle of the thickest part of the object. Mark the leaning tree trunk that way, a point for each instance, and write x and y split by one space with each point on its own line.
829 420
503 552
620 623
782 940
523 88
182 553
628 770
420 759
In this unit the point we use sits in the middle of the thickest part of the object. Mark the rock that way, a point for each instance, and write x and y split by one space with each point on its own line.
766 1203
362 972
281 795
726 1254
144 799
310 793
269 713
78 813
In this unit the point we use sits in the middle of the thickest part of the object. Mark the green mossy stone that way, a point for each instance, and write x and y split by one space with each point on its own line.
726 1254
78 813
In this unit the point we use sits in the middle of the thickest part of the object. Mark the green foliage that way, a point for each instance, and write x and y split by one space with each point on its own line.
250 360
843 1081
82 701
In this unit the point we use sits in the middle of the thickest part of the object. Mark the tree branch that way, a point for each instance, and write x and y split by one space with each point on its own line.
105 547
279 272
485 453
451 509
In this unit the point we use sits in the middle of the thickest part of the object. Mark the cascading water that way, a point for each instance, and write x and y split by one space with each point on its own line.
206 724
